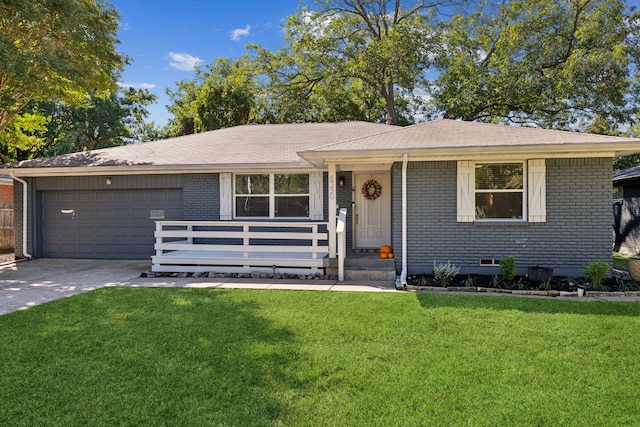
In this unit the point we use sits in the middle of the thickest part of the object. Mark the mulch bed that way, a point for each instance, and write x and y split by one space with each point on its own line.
567 284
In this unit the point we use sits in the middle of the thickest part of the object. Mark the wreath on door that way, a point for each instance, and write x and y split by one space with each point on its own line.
371 189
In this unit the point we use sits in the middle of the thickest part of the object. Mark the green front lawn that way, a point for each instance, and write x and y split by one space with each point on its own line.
192 357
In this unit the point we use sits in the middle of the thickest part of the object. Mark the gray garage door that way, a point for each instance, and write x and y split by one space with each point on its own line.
111 224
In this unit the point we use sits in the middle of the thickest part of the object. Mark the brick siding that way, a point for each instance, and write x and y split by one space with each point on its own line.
577 231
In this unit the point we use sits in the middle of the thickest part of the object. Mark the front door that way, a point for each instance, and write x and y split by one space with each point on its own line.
372 211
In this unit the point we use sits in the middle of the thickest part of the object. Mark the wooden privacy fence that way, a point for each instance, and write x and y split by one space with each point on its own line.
6 227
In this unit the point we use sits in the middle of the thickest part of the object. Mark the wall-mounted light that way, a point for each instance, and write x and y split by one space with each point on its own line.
341 181
108 181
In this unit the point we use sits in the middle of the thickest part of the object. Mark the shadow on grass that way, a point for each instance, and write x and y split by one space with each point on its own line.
120 356
530 305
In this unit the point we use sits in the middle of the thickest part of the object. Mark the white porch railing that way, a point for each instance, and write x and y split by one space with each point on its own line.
240 247
342 241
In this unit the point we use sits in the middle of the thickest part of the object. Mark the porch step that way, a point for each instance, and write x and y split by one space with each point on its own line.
369 269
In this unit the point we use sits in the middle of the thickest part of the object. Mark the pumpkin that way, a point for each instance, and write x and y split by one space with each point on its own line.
386 251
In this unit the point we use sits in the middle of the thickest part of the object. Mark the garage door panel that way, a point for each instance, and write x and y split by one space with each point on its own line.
120 196
103 214
140 196
85 196
113 224
121 214
68 197
103 196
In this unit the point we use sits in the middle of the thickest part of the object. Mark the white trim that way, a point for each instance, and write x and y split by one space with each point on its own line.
466 191
272 197
536 191
25 215
533 192
226 196
316 196
333 207
403 273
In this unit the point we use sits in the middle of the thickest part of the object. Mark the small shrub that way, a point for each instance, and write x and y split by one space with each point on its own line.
508 268
444 273
596 272
469 282
546 285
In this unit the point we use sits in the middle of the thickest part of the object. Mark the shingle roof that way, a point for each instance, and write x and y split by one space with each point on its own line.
628 174
447 133
249 145
306 145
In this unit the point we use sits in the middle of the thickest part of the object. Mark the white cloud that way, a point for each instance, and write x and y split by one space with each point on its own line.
137 85
183 61
240 32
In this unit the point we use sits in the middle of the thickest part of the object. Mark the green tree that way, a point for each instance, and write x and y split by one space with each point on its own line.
558 64
350 59
55 49
221 95
52 128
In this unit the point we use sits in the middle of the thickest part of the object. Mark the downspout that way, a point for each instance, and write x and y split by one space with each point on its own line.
403 274
24 215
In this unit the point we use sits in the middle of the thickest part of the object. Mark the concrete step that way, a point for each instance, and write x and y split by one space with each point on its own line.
370 262
370 274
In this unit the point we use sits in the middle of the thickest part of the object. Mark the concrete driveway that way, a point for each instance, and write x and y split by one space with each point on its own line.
29 283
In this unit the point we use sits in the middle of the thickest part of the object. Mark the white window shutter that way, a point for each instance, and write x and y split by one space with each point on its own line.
316 211
537 190
466 191
226 196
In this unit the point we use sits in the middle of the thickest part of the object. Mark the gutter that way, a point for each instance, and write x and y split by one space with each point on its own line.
403 274
24 215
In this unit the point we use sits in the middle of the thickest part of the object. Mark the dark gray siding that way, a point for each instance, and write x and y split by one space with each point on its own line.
201 194
344 197
577 231
626 214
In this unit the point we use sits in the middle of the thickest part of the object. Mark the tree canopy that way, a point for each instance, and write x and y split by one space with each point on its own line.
557 64
55 49
55 127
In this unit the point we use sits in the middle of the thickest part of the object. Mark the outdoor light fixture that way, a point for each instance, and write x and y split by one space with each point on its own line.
108 181
341 181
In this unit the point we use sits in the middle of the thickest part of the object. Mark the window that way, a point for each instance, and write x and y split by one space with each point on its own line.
514 190
271 195
499 190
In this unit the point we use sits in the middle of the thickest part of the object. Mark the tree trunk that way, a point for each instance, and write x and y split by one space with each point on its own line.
390 102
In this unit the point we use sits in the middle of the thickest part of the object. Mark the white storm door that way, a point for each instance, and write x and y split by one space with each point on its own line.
372 216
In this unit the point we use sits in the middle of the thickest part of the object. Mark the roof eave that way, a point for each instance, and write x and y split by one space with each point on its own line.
152 169
472 153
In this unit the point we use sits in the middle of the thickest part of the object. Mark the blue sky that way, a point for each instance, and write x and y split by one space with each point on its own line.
166 37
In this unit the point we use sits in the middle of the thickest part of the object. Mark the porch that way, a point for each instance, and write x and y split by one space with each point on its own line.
240 247
265 247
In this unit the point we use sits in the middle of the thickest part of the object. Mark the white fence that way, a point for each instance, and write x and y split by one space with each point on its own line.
240 247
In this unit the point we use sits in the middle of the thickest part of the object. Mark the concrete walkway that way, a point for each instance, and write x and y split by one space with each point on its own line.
29 283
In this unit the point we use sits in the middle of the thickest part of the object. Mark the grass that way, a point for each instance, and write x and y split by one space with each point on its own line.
192 357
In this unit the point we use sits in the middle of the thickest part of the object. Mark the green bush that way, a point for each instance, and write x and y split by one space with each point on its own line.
444 273
596 272
508 268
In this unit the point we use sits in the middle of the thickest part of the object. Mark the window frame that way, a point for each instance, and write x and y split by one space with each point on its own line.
271 195
524 191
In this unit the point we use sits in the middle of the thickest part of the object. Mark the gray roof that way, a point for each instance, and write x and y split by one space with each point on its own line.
455 134
305 145
629 174
252 145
